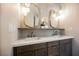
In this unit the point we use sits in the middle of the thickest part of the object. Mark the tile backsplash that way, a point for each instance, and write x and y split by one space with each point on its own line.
39 33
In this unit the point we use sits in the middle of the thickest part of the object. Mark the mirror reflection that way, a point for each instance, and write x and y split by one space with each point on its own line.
30 15
40 15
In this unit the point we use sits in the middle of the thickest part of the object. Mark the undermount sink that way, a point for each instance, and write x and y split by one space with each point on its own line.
31 38
50 37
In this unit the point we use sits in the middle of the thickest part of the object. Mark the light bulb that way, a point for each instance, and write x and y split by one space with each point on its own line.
61 11
25 11
27 4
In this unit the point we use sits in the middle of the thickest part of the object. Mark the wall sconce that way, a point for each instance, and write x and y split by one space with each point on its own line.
27 5
58 17
56 14
25 11
25 8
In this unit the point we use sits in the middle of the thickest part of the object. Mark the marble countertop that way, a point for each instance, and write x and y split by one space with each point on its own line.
35 40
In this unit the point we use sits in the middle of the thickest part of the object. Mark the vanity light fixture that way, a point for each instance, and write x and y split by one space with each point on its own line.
25 8
56 13
25 11
60 15
27 5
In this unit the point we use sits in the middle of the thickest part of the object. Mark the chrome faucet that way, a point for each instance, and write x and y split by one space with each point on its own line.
31 34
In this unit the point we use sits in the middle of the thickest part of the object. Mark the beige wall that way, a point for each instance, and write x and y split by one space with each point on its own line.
0 30
9 15
71 25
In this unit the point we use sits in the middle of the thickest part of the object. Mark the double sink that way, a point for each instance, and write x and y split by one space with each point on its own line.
35 40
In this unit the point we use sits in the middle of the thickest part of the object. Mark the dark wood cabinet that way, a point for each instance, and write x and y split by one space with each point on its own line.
41 52
54 48
26 50
40 49
31 50
27 53
66 47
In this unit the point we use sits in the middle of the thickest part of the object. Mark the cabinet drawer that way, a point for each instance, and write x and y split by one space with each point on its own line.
21 49
39 46
65 41
41 52
53 43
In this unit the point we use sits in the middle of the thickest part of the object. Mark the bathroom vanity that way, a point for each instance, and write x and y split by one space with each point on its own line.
44 46
41 35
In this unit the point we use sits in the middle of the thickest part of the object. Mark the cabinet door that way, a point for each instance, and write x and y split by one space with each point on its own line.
23 51
41 52
53 51
27 53
53 48
40 49
66 47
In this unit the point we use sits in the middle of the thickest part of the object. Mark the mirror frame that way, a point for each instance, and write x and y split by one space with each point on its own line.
23 19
